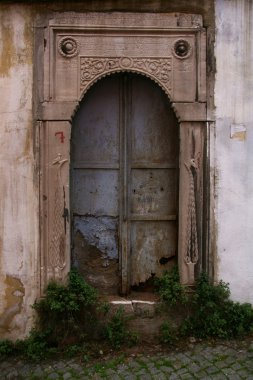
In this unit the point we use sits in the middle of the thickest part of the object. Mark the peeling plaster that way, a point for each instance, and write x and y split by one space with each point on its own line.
234 174
14 294
7 46
14 49
97 268
100 232
19 232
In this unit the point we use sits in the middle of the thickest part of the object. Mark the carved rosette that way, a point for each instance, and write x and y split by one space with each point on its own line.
157 68
68 47
181 49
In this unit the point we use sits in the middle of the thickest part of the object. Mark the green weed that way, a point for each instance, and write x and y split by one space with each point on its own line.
67 310
116 330
210 311
167 333
214 314
6 348
169 288
101 368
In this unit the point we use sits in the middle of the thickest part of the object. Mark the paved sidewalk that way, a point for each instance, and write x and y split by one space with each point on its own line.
200 361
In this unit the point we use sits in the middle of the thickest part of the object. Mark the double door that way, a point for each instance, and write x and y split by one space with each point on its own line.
124 187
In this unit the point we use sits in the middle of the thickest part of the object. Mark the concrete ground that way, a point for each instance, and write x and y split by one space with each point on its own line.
203 360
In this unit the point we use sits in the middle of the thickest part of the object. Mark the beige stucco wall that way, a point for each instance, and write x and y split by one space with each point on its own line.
234 154
231 158
18 183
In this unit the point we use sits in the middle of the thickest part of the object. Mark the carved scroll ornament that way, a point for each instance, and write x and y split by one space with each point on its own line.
157 68
191 249
57 241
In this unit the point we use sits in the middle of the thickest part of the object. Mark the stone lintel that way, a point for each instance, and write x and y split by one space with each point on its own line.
61 110
190 111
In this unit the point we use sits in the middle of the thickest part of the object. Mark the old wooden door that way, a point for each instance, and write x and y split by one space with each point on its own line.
124 188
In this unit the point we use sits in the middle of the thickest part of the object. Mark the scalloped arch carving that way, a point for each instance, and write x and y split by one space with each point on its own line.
93 69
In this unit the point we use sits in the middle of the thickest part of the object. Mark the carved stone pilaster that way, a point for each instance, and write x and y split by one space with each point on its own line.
191 243
190 199
54 152
57 259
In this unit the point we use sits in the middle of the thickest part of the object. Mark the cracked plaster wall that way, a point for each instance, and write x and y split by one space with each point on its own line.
19 190
233 145
19 231
18 187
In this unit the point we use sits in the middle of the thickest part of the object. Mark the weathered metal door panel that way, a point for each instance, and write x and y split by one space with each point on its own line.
153 182
154 246
153 126
124 183
95 186
154 193
95 139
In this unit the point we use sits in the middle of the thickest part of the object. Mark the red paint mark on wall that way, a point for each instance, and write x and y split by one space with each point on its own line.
62 137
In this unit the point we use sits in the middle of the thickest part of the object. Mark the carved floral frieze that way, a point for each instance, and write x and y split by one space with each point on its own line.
159 69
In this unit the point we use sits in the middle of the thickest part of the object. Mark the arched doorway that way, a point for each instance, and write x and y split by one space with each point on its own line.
171 50
124 183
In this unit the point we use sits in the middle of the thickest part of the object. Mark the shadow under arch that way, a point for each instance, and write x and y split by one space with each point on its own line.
111 73
159 171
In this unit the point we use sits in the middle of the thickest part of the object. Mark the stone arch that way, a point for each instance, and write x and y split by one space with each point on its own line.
107 73
90 166
173 45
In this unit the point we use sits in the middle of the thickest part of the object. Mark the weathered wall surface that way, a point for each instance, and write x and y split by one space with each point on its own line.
233 145
231 150
18 189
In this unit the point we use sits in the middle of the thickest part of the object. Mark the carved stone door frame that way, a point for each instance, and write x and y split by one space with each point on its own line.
75 51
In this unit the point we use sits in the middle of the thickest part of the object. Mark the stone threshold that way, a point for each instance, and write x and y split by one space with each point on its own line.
141 304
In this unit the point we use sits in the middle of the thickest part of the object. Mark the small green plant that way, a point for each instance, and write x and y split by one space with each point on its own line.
73 350
6 348
35 347
66 310
214 314
101 368
168 334
133 338
116 329
104 307
169 288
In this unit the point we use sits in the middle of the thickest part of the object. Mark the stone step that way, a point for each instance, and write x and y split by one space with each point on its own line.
144 305
142 309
